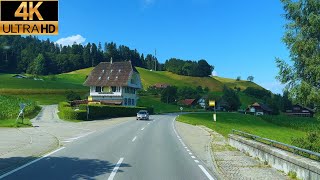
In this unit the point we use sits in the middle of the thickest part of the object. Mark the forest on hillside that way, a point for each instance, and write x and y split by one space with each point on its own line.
42 57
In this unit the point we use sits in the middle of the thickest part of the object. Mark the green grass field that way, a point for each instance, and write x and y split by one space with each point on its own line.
231 83
9 110
247 123
53 87
159 107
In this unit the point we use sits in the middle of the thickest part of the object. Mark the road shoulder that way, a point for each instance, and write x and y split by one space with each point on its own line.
226 161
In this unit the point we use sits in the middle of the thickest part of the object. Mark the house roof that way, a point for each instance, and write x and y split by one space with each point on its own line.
111 74
309 109
161 85
262 106
187 102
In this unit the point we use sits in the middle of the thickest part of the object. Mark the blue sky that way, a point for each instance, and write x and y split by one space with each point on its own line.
240 38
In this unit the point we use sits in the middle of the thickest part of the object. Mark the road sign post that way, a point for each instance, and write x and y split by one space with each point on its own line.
181 108
213 104
87 112
21 111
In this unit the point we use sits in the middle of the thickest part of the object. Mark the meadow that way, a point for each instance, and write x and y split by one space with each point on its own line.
9 110
247 123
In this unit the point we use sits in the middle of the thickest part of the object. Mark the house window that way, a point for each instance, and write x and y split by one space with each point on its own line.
113 88
132 101
98 89
118 89
125 101
129 102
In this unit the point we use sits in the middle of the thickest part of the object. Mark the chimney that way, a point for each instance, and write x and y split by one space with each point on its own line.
111 60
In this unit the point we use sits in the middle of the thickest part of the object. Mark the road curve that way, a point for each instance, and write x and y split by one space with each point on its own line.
137 150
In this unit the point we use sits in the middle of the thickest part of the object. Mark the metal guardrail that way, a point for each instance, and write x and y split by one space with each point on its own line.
283 146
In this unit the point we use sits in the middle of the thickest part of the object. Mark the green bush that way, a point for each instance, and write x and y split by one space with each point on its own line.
103 111
67 113
71 96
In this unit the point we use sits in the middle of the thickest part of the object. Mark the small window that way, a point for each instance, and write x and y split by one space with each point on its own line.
132 101
108 78
100 78
129 102
125 101
98 89
102 71
113 88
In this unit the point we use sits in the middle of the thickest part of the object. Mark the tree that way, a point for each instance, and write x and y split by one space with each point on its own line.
38 66
250 78
231 98
302 38
238 78
169 95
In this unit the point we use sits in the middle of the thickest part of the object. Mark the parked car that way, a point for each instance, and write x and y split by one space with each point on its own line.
143 114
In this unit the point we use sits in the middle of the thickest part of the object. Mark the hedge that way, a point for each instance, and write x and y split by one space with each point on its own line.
67 113
104 111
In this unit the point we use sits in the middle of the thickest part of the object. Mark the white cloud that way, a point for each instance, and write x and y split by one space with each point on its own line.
78 39
214 73
275 87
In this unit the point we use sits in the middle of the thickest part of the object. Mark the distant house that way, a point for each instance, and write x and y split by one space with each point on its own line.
202 102
298 110
188 102
19 76
114 83
259 109
161 85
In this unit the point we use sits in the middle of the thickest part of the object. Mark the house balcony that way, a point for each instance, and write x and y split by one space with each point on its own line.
108 94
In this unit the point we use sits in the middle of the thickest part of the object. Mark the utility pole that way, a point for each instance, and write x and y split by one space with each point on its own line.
155 60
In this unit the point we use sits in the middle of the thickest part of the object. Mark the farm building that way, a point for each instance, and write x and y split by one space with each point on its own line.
258 109
298 110
161 85
114 83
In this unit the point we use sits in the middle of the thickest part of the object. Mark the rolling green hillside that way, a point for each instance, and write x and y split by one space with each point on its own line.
53 87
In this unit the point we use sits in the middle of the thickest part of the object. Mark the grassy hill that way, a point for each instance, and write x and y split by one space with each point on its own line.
53 87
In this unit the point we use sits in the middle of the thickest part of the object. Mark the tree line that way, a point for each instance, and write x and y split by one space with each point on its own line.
41 57
199 68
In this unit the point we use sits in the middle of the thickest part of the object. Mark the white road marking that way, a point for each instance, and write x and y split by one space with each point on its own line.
115 169
29 163
148 123
206 172
190 153
78 137
142 129
193 157
134 138
186 147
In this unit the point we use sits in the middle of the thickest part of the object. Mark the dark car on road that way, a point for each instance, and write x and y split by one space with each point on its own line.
143 114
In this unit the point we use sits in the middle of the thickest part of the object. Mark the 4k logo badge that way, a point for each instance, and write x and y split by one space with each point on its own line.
29 17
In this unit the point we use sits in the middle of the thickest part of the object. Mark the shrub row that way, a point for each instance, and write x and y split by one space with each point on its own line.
66 112
104 111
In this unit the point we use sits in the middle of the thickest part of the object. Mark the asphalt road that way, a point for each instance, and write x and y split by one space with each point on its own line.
131 150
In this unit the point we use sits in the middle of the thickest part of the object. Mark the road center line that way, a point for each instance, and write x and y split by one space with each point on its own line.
115 169
206 172
134 138
29 163
142 129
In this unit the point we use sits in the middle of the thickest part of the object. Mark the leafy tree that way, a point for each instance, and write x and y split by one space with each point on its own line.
169 95
206 90
71 96
238 78
250 78
187 93
231 98
38 66
302 38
